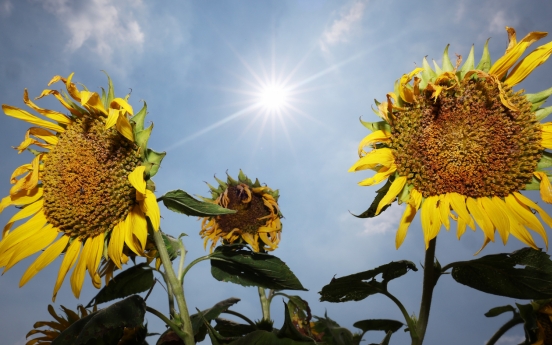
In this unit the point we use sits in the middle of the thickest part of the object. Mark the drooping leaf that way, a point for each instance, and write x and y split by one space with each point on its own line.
263 338
289 330
105 327
523 274
500 310
131 281
299 313
371 211
229 328
246 268
181 202
358 286
198 319
332 333
379 325
529 318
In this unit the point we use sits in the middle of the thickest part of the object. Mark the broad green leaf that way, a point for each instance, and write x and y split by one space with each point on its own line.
181 202
500 310
332 333
106 325
198 320
379 325
131 281
485 62
229 328
371 211
289 330
247 268
354 287
376 126
523 274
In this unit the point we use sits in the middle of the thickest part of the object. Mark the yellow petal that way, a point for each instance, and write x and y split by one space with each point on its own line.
24 213
51 114
476 210
131 240
485 242
374 158
68 261
91 100
517 229
77 277
523 214
545 186
444 209
380 175
458 203
431 219
71 88
32 245
112 118
379 136
461 229
136 179
46 258
406 220
494 210
123 126
546 135
502 65
116 243
30 118
23 232
528 64
95 254
545 217
151 209
25 197
120 103
394 190
58 96
139 225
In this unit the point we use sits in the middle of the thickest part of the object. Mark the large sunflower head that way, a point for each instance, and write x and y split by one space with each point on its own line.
459 138
256 222
87 192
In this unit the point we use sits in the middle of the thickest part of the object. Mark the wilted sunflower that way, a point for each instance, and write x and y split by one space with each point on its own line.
256 222
55 328
544 323
87 192
460 139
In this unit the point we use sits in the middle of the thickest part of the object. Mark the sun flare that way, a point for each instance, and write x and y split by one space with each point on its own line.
274 97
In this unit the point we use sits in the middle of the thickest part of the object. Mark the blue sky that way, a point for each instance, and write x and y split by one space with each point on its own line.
201 66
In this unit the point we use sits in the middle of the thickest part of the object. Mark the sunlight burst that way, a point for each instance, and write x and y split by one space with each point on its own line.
273 97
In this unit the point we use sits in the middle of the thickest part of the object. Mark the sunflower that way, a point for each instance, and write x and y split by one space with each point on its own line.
55 328
544 324
256 222
460 139
87 192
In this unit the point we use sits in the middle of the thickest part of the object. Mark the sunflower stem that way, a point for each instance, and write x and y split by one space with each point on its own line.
409 321
516 320
169 323
430 279
178 290
265 304
191 264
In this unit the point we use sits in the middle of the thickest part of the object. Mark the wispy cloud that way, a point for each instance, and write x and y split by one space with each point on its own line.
6 8
510 340
342 28
387 221
102 25
499 21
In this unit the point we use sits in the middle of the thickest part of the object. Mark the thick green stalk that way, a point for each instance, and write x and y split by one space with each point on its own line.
177 288
430 279
265 304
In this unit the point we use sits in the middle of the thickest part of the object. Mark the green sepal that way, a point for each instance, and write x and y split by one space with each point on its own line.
110 92
139 118
358 286
533 185
231 181
500 310
539 96
536 106
396 90
74 105
404 195
103 97
427 74
438 69
376 126
485 62
256 184
244 179
200 319
371 211
155 159
468 65
545 161
222 185
141 139
542 113
523 274
247 268
447 64
181 202
131 281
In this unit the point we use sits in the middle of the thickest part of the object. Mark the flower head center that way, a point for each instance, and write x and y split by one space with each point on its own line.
250 215
86 187
466 141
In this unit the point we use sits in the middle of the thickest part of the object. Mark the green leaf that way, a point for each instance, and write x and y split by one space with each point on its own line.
229 328
447 64
198 320
376 126
247 268
500 310
379 325
131 281
485 62
155 159
332 333
530 325
354 287
387 338
541 114
371 211
181 202
264 338
289 330
172 244
299 312
106 325
523 274
468 65
539 96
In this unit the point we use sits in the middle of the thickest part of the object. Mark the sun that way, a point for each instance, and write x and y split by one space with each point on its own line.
274 97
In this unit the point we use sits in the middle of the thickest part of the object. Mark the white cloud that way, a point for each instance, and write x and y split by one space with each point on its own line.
510 340
387 221
499 21
6 8
342 28
102 25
